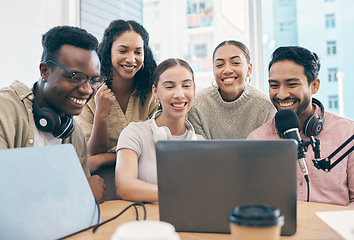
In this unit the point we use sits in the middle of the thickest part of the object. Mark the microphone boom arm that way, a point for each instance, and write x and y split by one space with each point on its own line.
325 164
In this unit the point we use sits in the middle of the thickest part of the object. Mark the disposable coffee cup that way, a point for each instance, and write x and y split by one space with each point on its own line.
145 230
255 222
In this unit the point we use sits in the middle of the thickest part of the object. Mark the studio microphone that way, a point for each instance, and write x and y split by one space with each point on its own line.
288 124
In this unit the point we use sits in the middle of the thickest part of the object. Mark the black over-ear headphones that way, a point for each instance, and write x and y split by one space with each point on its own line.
314 123
47 120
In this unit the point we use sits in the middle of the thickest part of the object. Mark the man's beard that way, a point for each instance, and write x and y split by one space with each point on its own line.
305 103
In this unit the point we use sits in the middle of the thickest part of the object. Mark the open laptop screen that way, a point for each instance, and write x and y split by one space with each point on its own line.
44 193
200 182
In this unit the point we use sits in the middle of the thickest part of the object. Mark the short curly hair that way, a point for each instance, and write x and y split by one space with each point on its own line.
143 78
60 35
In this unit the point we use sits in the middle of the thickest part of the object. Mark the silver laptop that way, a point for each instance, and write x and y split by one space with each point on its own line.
200 182
44 193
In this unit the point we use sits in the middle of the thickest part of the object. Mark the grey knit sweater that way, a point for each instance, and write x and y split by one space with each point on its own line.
214 118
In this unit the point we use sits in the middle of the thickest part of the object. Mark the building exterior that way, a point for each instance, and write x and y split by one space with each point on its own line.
325 32
191 29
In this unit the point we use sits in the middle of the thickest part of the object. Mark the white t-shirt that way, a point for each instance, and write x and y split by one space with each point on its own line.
139 138
44 138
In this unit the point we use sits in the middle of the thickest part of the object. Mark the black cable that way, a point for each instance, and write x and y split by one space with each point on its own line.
136 212
131 205
308 187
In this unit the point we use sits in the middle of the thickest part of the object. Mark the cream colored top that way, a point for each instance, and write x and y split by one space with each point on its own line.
117 120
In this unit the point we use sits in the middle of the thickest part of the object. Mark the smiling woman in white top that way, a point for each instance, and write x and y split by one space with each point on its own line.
136 175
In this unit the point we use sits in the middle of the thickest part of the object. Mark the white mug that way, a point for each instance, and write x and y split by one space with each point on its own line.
145 230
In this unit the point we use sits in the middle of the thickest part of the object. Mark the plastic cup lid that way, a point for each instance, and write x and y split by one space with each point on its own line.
256 216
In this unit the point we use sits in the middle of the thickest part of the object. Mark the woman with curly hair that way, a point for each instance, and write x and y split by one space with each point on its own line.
128 63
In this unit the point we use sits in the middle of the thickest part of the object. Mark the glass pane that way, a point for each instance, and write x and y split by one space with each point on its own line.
191 29
322 26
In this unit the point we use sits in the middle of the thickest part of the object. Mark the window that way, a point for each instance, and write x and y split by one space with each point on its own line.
197 6
331 48
333 102
330 21
322 35
192 8
332 74
152 11
286 26
285 3
200 13
200 50
155 47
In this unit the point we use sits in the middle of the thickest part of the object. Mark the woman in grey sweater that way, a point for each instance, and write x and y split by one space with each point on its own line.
233 108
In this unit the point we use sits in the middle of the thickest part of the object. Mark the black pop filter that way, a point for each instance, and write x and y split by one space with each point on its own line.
285 120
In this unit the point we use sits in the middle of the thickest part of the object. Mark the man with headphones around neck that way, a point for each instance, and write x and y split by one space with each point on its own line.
43 115
293 79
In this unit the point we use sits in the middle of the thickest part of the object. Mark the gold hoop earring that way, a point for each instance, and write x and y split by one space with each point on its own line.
248 80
